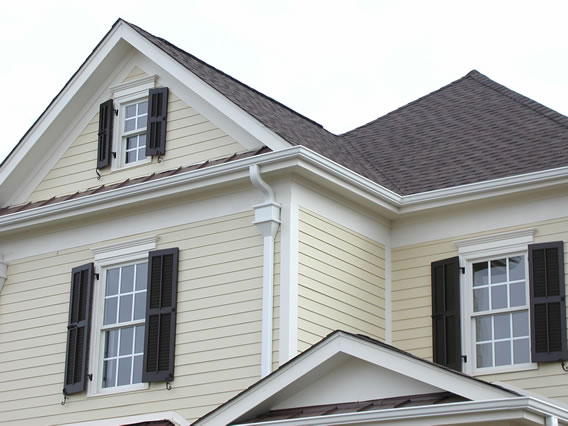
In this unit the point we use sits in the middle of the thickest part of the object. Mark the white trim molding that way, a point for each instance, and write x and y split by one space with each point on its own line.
172 416
489 245
118 251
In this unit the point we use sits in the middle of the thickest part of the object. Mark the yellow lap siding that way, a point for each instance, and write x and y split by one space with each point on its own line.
190 139
411 302
218 328
341 281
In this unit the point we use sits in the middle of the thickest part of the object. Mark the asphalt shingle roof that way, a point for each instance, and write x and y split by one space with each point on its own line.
471 130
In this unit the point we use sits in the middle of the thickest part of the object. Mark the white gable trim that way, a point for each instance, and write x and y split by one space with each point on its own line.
204 91
113 52
344 343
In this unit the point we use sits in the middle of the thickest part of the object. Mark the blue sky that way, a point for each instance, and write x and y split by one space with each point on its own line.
340 63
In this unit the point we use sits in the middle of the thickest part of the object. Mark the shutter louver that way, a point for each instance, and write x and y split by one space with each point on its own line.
77 354
548 305
106 115
157 118
160 333
446 332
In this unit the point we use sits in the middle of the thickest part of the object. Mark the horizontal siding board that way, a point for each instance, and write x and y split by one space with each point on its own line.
218 329
341 281
313 220
371 295
412 305
191 138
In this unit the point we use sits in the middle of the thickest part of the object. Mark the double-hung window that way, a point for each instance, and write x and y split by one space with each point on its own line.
122 319
123 324
134 120
132 124
499 306
499 311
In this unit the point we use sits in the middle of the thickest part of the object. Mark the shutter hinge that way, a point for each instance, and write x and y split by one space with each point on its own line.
114 154
97 276
115 112
90 376
71 326
464 357
462 269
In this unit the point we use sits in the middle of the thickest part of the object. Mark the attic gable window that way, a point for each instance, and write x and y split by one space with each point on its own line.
139 130
134 121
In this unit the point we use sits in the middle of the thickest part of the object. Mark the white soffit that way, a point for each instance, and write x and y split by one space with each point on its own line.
316 367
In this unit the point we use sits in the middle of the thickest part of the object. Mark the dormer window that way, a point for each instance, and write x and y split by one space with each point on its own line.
133 144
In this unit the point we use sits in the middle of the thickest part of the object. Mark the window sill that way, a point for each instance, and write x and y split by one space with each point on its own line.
118 389
504 369
147 160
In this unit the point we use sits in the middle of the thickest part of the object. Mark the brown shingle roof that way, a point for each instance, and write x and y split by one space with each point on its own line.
469 131
357 406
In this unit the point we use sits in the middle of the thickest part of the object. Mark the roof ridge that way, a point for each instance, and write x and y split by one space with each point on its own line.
144 32
520 99
469 74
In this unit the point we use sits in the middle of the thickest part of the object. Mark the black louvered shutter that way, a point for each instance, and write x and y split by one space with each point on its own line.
77 355
106 115
157 117
446 333
160 332
548 305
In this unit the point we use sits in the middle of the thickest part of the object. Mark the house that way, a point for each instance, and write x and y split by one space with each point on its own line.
177 247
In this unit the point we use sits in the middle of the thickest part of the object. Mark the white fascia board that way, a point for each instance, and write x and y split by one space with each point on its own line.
474 411
479 190
293 158
294 370
53 110
219 101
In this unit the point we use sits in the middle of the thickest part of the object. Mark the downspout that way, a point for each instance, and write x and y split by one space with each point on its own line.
3 271
551 421
267 218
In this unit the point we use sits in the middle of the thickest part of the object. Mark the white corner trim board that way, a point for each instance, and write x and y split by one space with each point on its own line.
267 218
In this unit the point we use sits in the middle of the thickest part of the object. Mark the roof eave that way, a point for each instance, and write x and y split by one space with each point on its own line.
294 159
519 408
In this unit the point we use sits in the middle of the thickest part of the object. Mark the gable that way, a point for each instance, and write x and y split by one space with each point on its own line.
351 380
76 106
191 138
345 368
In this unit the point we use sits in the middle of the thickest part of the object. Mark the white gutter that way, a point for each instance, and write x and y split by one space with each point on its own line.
267 218
294 157
507 406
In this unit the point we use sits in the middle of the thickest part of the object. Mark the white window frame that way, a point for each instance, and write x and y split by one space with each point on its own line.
480 249
109 257
123 95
